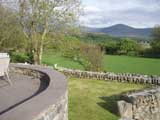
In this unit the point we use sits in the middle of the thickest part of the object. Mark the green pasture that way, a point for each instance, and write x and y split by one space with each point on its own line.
112 63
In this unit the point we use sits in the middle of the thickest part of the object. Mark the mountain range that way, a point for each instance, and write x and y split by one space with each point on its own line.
121 30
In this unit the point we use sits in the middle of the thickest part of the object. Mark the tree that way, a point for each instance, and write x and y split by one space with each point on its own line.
156 40
111 47
11 35
128 45
39 17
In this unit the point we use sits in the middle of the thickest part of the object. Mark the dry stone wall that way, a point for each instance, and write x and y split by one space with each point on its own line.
120 77
143 105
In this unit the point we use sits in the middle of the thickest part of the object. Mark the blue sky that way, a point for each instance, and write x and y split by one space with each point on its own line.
136 13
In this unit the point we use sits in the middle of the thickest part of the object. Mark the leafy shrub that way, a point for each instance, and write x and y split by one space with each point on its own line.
19 57
91 57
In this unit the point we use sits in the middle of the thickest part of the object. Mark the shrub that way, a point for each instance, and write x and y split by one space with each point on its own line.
91 57
19 57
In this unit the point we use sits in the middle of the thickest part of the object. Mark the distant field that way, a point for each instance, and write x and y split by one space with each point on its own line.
132 64
96 100
119 64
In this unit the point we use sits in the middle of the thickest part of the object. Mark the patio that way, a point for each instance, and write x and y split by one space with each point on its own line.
36 92
24 87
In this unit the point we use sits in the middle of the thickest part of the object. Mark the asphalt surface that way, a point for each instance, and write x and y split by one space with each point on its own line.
23 88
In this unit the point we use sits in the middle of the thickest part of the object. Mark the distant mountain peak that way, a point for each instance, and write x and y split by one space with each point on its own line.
122 30
120 25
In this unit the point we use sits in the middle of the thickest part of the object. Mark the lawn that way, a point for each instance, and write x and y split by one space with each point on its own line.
51 59
96 100
112 63
123 64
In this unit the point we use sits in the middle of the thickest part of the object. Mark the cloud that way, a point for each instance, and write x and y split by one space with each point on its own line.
91 9
137 13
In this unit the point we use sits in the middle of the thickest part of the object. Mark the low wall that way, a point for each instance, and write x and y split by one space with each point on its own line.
120 77
51 103
144 105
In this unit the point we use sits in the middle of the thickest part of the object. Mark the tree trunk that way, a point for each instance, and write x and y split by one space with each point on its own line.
40 53
37 55
35 58
37 46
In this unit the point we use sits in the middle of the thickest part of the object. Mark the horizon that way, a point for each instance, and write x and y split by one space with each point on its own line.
120 24
135 13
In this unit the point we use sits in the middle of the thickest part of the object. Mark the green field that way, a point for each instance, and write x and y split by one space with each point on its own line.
111 63
96 100
124 64
51 59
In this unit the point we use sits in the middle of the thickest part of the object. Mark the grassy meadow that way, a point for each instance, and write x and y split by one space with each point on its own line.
96 100
125 64
112 63
51 59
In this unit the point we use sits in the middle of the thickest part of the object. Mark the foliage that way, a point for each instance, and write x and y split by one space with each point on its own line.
71 47
111 47
68 45
20 57
11 35
115 45
38 17
127 45
156 40
95 38
92 56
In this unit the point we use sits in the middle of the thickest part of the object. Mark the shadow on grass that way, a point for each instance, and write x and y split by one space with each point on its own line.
110 103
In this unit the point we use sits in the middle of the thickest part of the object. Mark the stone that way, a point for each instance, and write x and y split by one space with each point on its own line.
125 109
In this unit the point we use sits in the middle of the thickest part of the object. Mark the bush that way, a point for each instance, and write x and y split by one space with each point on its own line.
91 57
19 57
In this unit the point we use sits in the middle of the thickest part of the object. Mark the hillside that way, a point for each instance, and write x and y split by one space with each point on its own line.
96 37
121 30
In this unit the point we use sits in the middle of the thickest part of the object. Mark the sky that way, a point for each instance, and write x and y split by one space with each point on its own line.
135 13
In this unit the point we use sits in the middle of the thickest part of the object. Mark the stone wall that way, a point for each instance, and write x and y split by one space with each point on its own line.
120 77
143 105
57 111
